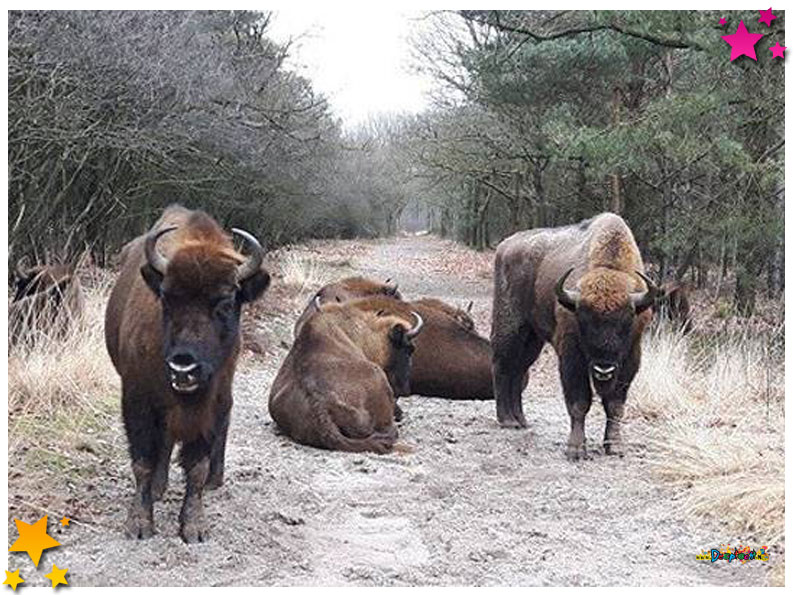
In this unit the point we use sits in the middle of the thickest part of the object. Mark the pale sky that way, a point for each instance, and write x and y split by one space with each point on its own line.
358 58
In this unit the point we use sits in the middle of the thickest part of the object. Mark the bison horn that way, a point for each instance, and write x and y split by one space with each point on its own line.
391 289
641 300
156 260
250 266
418 327
317 302
567 297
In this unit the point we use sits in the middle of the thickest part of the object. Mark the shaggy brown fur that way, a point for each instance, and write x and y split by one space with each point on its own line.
451 360
461 316
195 305
47 299
674 305
343 290
332 390
602 333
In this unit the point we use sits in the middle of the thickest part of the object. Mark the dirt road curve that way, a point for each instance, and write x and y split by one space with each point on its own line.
474 504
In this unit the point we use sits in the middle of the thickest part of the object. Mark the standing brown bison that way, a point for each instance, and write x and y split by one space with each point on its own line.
47 298
172 331
334 389
595 323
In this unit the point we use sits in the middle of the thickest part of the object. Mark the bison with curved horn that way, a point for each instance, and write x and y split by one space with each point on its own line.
337 386
582 289
172 331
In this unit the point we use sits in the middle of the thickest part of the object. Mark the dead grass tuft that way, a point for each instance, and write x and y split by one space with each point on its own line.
716 407
301 272
63 403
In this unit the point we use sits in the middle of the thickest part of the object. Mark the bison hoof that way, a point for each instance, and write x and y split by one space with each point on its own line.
613 449
398 413
214 481
575 453
139 525
193 532
512 422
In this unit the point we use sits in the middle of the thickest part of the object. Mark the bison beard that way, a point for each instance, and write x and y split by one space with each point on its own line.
172 332
595 330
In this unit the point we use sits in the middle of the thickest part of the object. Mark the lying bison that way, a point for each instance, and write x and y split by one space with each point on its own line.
595 323
451 360
47 299
347 289
334 389
673 305
172 331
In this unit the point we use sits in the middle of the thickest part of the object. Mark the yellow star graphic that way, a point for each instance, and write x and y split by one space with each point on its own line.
57 576
33 539
65 522
13 579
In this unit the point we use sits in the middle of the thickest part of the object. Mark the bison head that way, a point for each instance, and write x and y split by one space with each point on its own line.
398 367
605 311
201 289
392 328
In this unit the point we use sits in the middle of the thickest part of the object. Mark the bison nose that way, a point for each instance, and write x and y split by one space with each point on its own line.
182 362
603 372
184 372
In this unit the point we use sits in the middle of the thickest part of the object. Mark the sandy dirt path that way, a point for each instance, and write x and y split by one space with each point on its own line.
474 504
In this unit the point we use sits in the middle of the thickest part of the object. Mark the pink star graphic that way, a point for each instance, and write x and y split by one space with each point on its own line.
766 17
723 21
742 43
777 50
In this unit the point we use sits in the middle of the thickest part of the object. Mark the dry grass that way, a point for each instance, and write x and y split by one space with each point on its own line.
63 396
301 272
716 412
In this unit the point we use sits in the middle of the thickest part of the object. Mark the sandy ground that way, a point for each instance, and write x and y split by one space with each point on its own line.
474 504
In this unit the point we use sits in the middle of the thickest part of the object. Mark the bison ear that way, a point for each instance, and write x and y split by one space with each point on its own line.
153 278
253 286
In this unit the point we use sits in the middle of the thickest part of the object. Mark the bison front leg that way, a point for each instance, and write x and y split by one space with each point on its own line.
140 517
218 456
143 431
613 407
614 404
578 398
196 464
160 479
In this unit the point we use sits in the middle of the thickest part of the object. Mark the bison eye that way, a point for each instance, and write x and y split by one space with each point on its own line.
224 308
